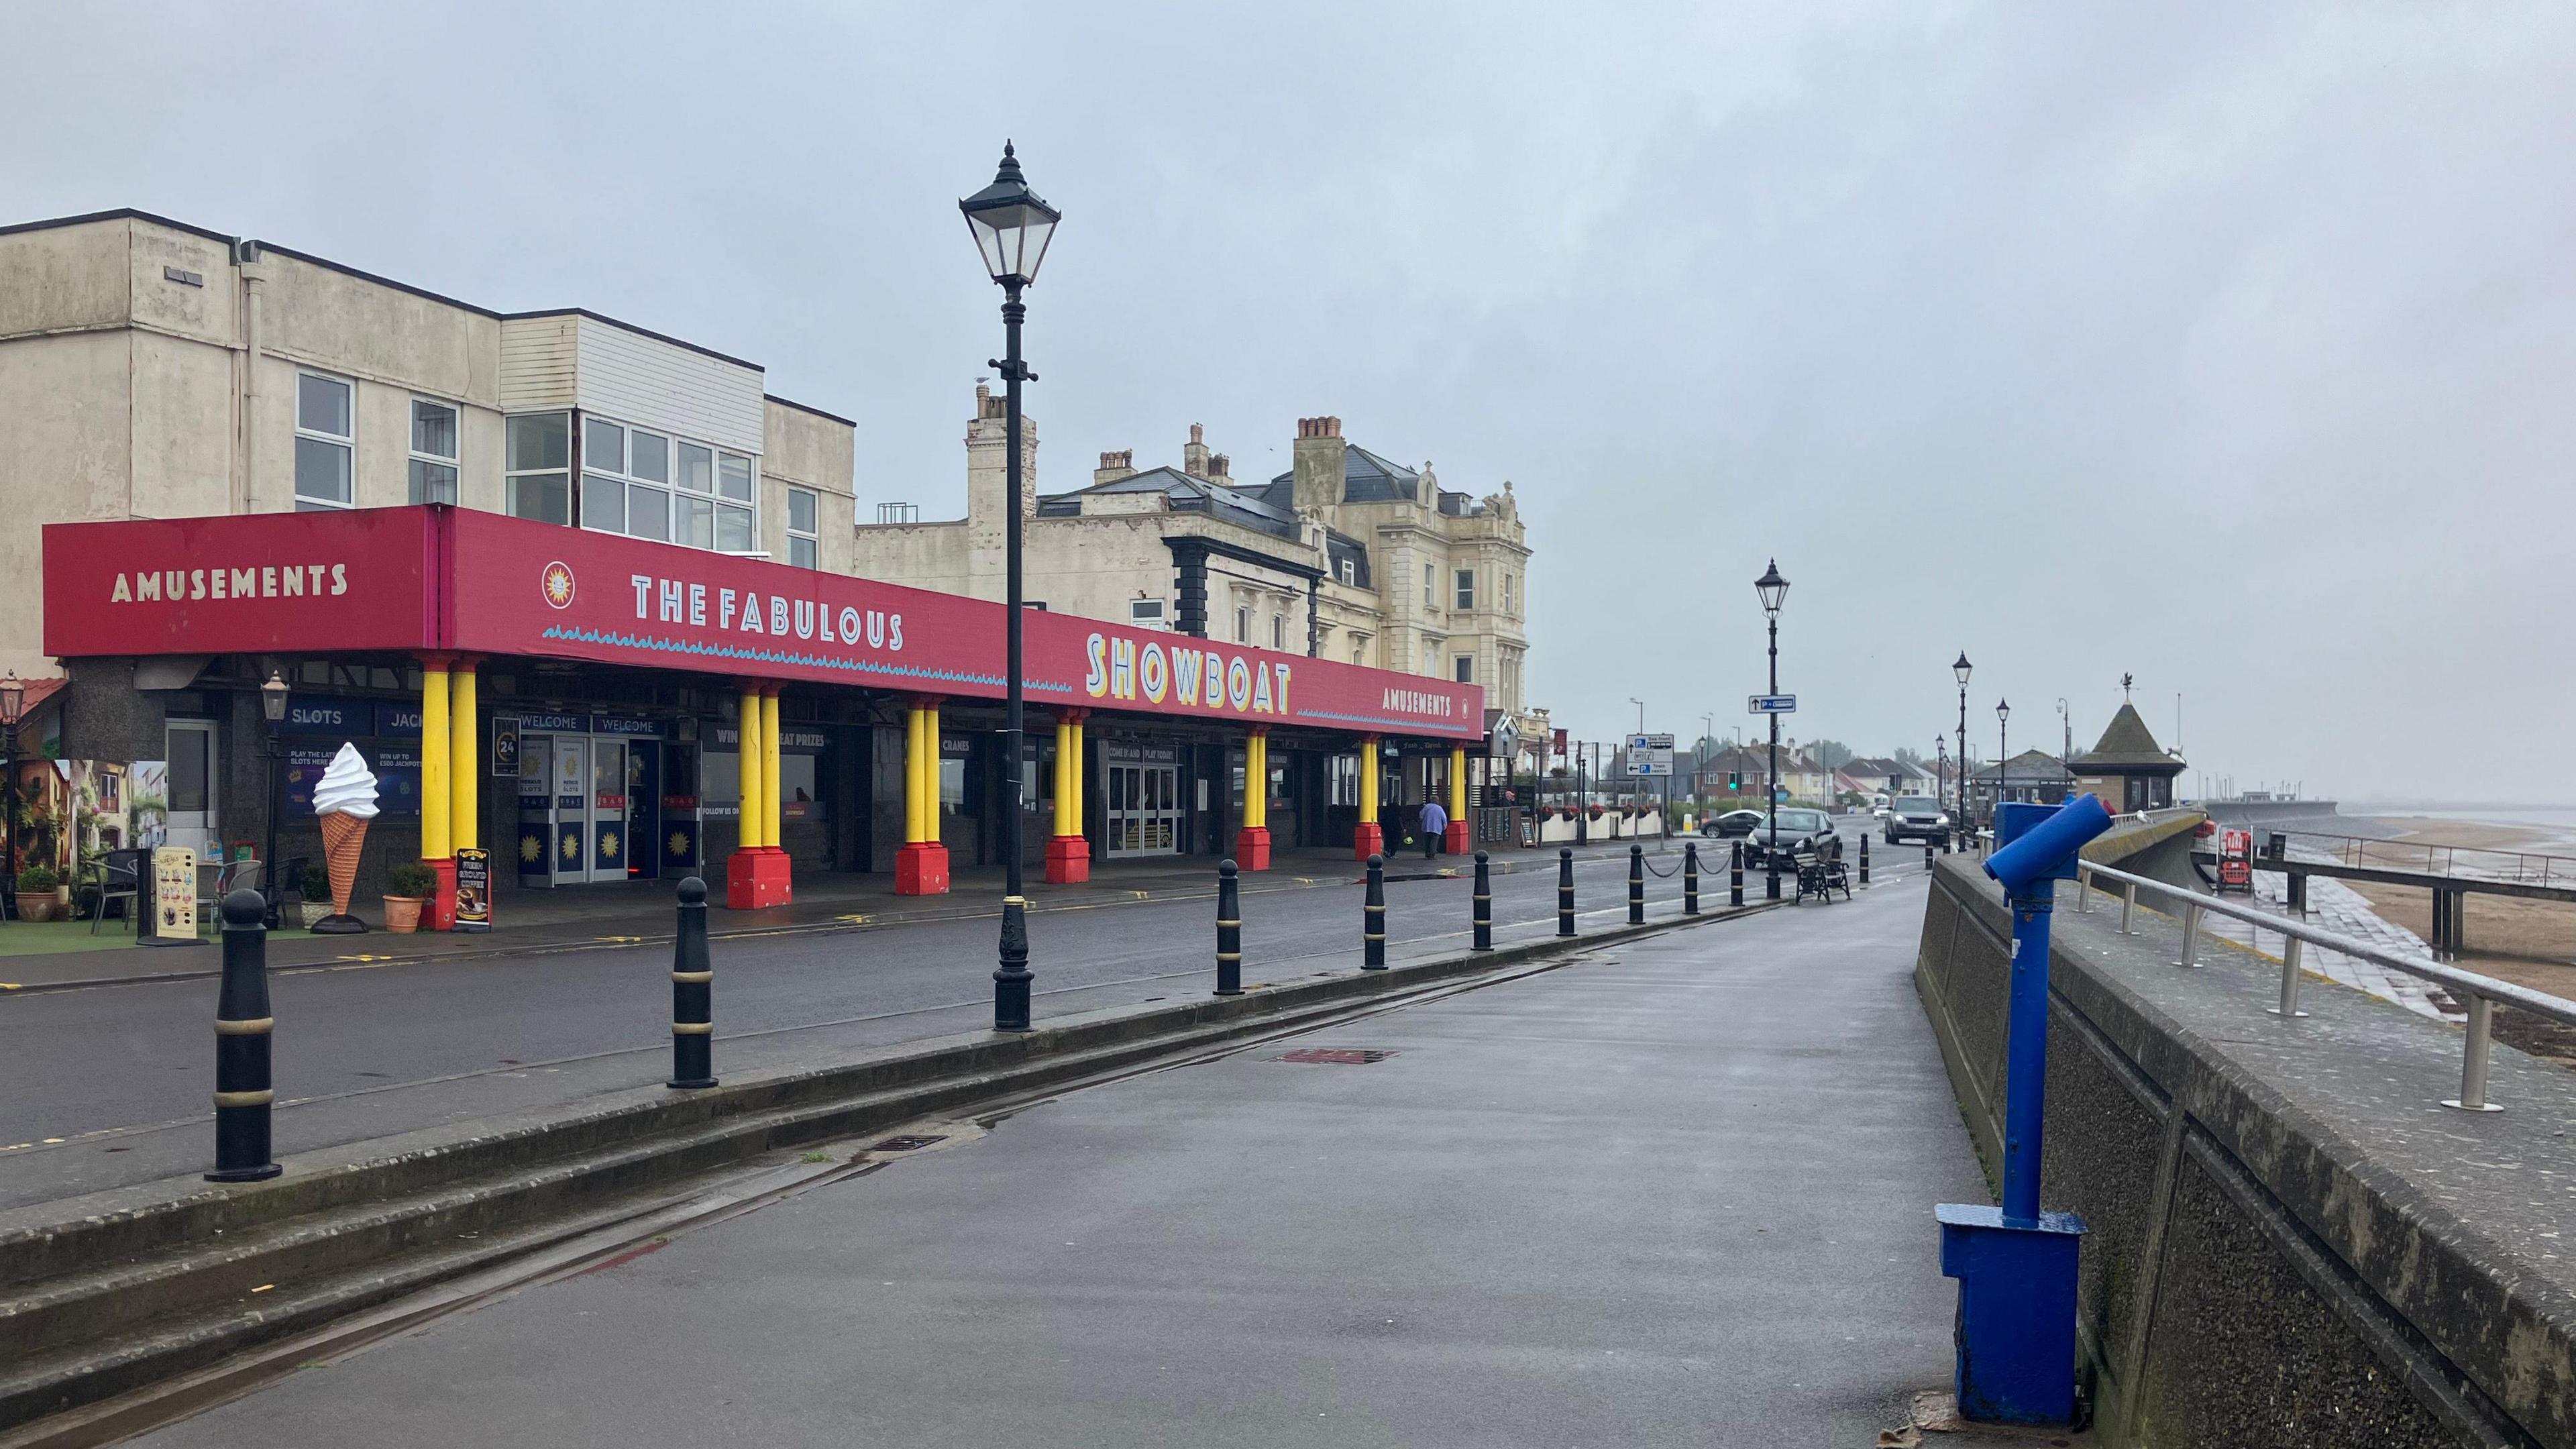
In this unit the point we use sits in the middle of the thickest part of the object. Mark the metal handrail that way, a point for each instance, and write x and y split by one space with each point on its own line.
2481 992
2362 851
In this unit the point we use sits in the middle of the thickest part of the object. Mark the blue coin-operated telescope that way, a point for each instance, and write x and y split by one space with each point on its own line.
2016 1264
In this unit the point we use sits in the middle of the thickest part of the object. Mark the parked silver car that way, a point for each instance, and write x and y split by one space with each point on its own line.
1913 817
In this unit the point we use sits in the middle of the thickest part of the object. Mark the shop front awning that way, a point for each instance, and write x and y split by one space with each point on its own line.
449 580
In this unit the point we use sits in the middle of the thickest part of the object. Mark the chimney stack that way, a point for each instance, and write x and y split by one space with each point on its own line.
1194 453
1114 466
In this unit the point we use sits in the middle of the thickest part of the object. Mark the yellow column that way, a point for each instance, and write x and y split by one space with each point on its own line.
465 764
1068 767
1458 783
773 820
916 810
930 772
1081 781
1368 782
435 841
749 757
1256 780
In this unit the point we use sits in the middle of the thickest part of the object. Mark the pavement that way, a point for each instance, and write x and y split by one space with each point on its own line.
110 1083
1676 1191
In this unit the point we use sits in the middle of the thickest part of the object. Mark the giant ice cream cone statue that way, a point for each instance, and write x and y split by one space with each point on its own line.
344 801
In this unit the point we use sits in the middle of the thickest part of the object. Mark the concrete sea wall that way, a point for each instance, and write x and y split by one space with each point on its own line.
2291 1242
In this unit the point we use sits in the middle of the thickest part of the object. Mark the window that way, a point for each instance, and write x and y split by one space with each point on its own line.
325 442
1145 611
1279 631
1466 588
1507 593
1359 648
647 485
1347 571
1428 600
538 467
1466 668
1242 625
433 452
804 507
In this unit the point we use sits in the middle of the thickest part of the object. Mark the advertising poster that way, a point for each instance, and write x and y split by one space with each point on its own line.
473 889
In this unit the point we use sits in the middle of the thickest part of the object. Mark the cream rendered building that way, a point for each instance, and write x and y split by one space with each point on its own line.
1347 556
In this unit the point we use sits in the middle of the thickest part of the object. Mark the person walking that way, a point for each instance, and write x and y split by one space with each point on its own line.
1435 828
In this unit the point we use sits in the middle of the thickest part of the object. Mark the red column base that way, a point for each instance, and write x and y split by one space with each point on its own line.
1367 839
1068 861
921 869
1458 839
441 912
761 876
1252 847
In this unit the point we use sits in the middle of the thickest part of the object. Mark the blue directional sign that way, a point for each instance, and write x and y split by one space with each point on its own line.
1772 704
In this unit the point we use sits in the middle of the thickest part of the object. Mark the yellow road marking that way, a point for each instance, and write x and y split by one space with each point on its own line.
9 986
853 920
363 956
618 940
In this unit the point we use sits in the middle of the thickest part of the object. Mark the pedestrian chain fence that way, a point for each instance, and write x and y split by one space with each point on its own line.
2480 993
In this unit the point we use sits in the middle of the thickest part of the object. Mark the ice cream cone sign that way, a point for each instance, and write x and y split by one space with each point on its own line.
344 801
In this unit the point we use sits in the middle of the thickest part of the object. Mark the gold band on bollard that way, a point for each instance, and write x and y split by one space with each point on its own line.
693 1028
256 1026
1229 955
1229 923
245 1099
691 976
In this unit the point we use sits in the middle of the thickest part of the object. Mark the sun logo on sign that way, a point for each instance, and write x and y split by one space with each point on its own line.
557 584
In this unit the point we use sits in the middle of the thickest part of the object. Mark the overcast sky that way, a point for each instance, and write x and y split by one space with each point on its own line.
2226 345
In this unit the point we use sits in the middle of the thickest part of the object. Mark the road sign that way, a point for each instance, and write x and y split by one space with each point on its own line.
1650 756
1772 704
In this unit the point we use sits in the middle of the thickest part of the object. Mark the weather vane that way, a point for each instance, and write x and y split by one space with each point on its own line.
2125 681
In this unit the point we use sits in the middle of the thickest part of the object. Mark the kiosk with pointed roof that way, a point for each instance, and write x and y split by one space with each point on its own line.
2128 766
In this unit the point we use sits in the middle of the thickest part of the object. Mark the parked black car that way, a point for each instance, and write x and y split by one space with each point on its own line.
1733 825
1801 832
1913 817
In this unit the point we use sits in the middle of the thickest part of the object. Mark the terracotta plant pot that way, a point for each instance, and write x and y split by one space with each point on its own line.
36 905
402 914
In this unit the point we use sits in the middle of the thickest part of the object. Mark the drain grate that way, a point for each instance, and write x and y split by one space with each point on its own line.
1335 1056
909 1142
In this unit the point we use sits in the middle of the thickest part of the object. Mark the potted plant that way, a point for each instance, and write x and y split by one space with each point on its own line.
36 887
408 887
313 894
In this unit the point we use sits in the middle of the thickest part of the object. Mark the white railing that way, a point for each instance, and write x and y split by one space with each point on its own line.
2481 993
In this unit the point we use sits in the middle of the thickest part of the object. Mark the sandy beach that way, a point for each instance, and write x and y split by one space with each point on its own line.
2529 942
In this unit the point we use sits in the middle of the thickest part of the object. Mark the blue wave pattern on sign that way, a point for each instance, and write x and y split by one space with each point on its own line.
779 656
1368 719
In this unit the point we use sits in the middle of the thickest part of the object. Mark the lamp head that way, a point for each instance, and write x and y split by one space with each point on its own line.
1010 224
1961 668
13 698
1772 588
272 697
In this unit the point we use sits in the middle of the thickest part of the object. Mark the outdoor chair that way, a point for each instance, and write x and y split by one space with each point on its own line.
1820 878
121 877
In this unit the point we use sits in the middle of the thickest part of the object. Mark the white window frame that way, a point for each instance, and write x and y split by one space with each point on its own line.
1146 613
670 487
1348 571
347 443
1465 579
454 466
812 538
510 477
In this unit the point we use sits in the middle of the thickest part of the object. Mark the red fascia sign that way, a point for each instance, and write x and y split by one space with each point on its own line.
444 579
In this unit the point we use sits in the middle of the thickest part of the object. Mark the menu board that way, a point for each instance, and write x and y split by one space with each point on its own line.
174 893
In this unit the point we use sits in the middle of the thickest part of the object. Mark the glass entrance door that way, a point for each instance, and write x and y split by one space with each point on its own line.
1144 806
572 809
192 820
608 828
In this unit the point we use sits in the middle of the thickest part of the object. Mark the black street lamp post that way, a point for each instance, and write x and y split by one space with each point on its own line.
13 706
1960 670
1011 227
1772 589
2003 755
272 707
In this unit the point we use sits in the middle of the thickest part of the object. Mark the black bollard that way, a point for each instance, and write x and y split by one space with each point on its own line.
1565 890
1636 885
1735 875
243 1097
693 994
1373 918
1229 932
1690 878
1484 904
1927 855
1864 857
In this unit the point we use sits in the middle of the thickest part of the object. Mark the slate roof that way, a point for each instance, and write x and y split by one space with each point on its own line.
2036 767
1367 478
1246 508
2127 743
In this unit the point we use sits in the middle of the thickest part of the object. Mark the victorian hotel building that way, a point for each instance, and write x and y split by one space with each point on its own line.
586 598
